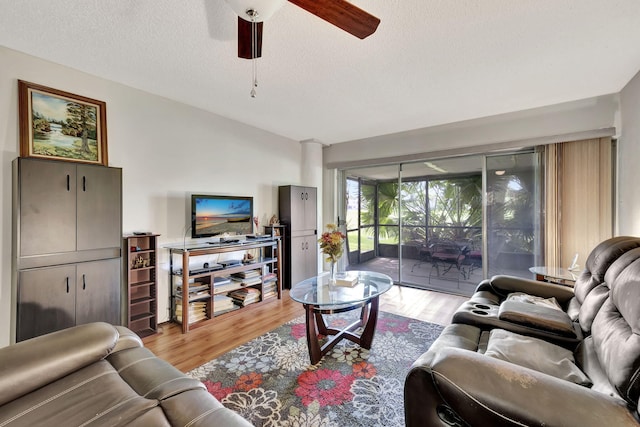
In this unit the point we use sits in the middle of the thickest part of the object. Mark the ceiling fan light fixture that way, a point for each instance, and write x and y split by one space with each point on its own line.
255 10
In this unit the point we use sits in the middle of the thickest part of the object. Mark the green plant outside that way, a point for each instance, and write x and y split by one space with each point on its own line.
455 207
368 244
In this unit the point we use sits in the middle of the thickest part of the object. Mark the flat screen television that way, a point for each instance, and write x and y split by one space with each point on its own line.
216 215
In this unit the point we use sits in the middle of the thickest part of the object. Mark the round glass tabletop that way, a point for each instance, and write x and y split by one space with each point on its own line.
318 291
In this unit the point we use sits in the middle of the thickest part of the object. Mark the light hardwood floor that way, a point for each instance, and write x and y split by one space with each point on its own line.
188 351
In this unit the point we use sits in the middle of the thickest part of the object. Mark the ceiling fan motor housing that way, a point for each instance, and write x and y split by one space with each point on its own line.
255 10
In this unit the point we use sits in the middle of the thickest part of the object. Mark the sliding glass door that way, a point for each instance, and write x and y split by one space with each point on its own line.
513 213
367 221
441 211
361 220
352 195
371 207
446 224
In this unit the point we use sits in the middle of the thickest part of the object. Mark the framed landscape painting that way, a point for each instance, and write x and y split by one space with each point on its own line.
60 125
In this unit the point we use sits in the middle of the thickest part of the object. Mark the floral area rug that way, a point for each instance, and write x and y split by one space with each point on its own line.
270 381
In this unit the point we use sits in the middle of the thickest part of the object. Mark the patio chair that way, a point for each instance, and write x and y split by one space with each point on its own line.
472 261
424 256
445 256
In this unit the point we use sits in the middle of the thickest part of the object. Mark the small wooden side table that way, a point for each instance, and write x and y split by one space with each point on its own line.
557 275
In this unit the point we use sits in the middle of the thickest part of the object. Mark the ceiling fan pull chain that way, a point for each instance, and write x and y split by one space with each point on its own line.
254 51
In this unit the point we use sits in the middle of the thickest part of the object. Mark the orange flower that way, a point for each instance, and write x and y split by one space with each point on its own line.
364 370
249 381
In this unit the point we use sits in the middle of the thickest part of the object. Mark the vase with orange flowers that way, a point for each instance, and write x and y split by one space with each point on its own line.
332 245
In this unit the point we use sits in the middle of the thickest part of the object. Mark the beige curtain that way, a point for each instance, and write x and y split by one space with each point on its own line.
578 199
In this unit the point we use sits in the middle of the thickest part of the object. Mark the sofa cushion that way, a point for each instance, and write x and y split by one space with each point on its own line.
590 307
587 360
532 299
535 354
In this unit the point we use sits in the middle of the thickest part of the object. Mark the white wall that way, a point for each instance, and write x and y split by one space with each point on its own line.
628 156
167 150
561 119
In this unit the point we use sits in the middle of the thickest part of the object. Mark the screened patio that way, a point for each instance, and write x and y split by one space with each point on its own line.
445 224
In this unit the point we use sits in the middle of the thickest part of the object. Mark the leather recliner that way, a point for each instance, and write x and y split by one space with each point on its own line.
456 382
488 308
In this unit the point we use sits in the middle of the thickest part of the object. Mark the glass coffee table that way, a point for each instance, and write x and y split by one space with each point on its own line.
319 296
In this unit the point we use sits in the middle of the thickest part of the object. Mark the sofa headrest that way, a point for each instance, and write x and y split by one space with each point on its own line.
620 265
625 289
599 261
33 363
616 329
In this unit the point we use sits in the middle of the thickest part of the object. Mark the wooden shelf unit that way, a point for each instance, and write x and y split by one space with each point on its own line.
279 231
142 281
201 284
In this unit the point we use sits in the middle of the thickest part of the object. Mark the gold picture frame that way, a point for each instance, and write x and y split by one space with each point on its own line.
60 125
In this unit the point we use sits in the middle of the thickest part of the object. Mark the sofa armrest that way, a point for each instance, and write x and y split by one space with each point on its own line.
502 393
504 285
126 339
537 316
150 376
33 363
198 408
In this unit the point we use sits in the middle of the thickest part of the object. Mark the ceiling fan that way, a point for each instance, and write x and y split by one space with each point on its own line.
252 13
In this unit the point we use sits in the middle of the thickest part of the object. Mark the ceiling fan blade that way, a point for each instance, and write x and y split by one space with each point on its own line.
245 47
342 14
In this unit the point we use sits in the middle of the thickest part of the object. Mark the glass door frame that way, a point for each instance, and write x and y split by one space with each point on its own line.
343 176
361 255
538 216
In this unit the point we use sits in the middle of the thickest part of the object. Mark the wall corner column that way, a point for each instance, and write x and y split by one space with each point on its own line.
311 175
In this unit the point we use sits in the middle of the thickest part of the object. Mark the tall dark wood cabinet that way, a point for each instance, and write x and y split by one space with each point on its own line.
298 211
67 221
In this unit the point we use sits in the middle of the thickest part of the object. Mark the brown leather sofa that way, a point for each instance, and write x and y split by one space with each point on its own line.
100 375
485 375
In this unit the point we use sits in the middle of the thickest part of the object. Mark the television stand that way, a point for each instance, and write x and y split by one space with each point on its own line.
235 288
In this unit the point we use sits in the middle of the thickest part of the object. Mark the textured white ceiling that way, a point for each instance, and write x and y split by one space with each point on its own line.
430 62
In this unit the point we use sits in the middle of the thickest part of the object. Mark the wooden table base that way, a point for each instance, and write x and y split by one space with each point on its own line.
316 326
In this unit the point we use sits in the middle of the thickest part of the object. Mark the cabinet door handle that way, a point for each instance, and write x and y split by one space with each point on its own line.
68 183
306 196
301 196
67 284
302 246
84 183
84 282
